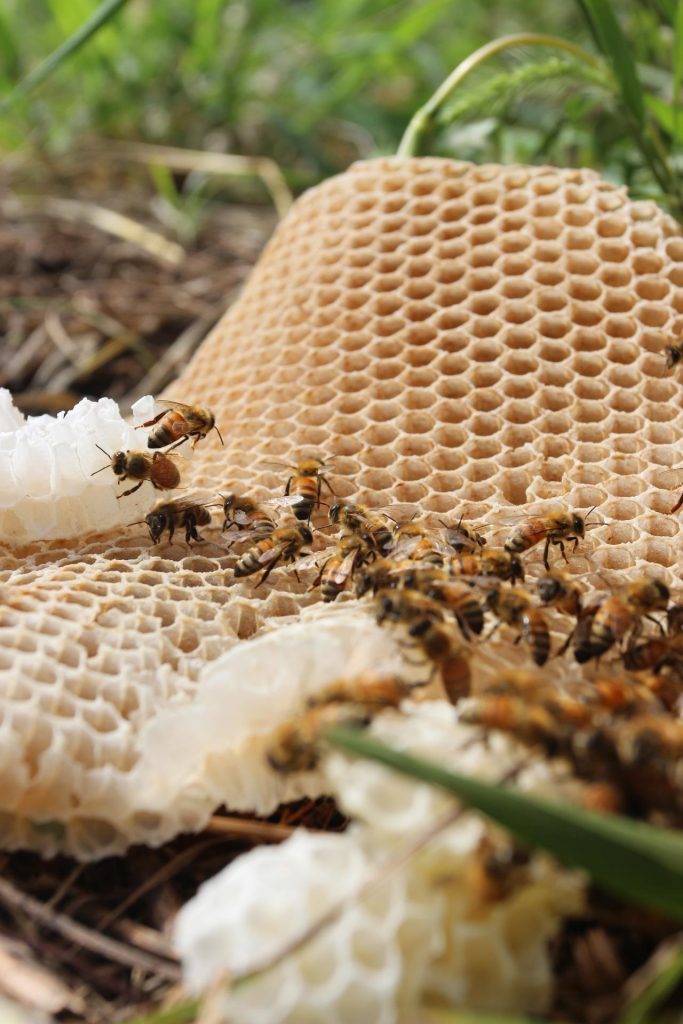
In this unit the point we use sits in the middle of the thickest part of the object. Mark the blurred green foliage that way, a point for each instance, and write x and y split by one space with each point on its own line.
315 84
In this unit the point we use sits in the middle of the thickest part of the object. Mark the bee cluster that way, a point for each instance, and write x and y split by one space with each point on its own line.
438 585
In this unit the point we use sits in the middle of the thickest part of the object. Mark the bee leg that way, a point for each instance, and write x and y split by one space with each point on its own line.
492 631
560 544
176 444
328 485
657 623
268 571
132 490
677 505
150 423
546 549
289 484
565 645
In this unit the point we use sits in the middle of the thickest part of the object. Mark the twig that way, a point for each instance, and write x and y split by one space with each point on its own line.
224 164
177 353
157 878
83 936
106 220
259 831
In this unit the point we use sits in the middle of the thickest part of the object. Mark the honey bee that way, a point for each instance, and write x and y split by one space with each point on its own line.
673 353
282 545
418 542
619 614
405 606
247 514
371 689
558 590
554 528
492 562
172 515
381 575
649 749
370 526
456 597
177 423
338 569
515 608
496 870
304 486
296 746
440 645
462 538
159 469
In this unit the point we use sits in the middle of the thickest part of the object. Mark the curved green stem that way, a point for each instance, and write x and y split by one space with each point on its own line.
424 117
104 13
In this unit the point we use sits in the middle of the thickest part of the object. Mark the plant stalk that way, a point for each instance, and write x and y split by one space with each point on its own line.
423 119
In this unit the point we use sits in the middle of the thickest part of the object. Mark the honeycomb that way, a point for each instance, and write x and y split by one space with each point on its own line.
476 339
425 933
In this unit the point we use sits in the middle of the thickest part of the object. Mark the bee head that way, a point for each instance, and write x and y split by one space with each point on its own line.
661 592
228 501
305 534
118 463
156 522
578 524
335 511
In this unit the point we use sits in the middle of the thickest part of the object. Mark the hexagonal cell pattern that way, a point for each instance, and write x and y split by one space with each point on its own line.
463 338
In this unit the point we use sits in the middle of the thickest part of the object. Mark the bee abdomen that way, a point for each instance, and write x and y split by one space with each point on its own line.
537 636
247 565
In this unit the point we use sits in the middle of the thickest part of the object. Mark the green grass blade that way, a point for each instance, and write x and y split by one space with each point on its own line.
614 46
184 1013
642 1009
104 13
639 862
678 65
665 114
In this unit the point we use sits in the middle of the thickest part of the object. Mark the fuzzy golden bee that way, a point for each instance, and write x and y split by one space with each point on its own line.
516 608
281 546
296 744
159 469
246 514
304 485
178 423
371 527
462 538
496 562
554 528
620 613
440 645
172 515
337 570
418 542
452 595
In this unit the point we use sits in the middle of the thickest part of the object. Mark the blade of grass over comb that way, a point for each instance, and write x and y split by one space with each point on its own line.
668 976
423 120
639 862
104 13
615 48
184 1013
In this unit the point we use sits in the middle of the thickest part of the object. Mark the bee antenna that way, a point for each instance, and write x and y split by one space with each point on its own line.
138 522
103 451
219 434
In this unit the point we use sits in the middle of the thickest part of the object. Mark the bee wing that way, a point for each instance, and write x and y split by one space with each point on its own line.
308 561
284 501
178 406
269 554
269 464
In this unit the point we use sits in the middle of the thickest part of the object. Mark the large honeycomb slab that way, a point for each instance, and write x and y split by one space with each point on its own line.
458 337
